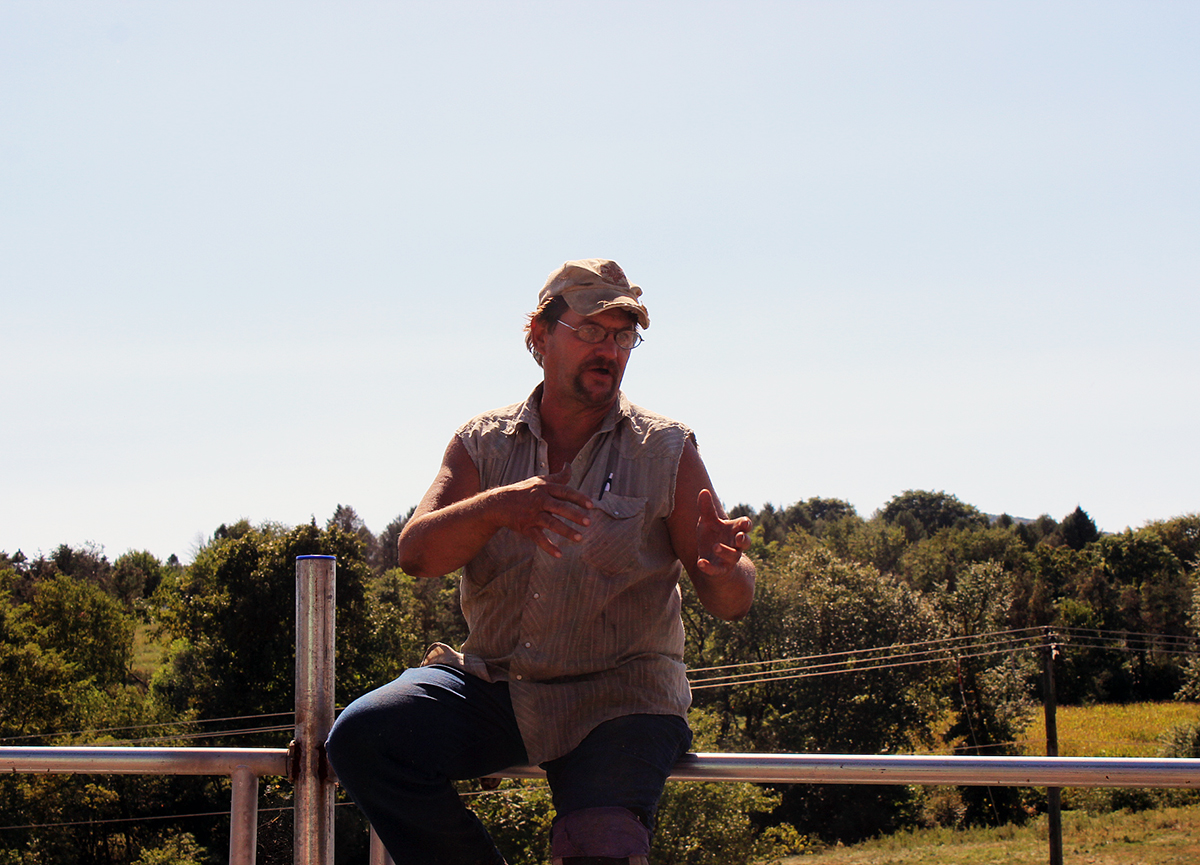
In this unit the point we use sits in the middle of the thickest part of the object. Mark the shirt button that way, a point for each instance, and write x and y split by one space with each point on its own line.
536 595
519 677
527 645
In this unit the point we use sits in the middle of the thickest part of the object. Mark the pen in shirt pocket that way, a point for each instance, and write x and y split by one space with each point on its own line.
607 486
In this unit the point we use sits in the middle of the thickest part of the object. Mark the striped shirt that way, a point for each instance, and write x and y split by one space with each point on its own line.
596 634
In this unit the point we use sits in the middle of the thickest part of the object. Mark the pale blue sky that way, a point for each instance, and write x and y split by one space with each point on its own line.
258 259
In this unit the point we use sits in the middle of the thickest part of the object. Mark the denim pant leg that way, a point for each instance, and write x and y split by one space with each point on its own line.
617 771
397 748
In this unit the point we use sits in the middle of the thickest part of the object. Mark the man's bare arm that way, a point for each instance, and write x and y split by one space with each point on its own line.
709 545
455 519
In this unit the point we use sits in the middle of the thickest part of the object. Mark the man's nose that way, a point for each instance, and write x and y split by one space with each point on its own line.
608 346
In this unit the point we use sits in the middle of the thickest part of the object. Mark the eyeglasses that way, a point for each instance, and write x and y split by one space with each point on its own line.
594 334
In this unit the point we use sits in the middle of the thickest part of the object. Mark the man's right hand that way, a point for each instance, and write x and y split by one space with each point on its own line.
542 504
455 519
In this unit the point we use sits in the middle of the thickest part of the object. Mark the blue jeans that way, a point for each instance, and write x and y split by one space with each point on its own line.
397 749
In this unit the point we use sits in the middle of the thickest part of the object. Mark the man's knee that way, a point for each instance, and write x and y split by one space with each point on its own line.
599 836
349 747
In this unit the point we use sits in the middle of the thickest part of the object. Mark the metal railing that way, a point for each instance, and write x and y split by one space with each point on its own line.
244 766
304 763
925 769
896 769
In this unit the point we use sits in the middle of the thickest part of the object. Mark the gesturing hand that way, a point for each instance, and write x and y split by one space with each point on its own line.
719 542
540 504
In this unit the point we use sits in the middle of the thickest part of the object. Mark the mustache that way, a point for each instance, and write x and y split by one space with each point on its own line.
603 365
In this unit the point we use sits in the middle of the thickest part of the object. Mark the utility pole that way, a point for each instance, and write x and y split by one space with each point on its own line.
1053 794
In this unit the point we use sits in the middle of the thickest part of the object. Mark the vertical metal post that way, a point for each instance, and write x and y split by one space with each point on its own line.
378 854
243 817
315 605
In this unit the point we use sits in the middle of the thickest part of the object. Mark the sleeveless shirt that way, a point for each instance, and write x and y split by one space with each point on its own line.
596 634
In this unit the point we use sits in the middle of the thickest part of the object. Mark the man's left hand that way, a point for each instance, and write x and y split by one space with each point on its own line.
719 542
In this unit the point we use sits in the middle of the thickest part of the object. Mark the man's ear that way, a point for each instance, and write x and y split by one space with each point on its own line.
537 334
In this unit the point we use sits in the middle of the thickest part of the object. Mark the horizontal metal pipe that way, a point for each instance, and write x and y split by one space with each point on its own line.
101 760
762 768
893 769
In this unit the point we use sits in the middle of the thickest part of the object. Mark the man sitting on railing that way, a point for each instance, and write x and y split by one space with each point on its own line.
572 515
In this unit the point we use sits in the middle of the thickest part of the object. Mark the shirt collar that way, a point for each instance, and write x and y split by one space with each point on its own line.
530 413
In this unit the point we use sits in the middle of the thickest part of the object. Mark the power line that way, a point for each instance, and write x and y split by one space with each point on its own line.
94 731
936 642
933 651
863 660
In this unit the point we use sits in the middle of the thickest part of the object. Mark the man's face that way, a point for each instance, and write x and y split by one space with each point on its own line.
588 373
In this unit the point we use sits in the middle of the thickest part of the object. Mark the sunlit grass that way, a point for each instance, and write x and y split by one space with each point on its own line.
147 652
1159 837
1112 730
1154 836
1131 730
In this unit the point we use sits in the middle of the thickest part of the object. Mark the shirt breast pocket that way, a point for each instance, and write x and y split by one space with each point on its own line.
613 541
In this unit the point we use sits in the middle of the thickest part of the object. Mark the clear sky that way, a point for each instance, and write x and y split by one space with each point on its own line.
259 259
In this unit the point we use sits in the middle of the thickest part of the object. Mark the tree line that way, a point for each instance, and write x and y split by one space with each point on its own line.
142 650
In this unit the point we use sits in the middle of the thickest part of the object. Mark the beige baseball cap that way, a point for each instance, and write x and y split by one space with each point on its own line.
592 285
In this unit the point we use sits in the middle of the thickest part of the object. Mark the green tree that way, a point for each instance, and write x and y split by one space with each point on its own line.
1036 531
934 562
135 575
87 626
1078 530
1182 537
86 563
386 554
231 618
36 681
64 659
991 690
930 512
810 603
347 519
811 516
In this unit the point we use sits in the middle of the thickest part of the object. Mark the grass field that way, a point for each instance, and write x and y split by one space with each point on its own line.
1091 834
1168 836
147 653
1132 730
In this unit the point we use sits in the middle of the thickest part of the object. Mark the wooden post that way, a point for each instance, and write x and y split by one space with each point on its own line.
1053 794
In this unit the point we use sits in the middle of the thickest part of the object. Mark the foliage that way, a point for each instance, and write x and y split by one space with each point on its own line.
176 849
713 824
64 679
924 567
135 575
518 815
809 603
993 701
85 625
922 513
63 654
1183 741
231 618
1181 535
1078 530
811 516
386 552
934 562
